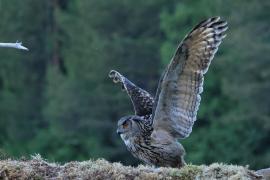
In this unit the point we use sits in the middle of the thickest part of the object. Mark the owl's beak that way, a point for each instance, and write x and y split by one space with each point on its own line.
119 132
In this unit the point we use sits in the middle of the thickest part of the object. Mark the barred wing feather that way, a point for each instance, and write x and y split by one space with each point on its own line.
178 95
142 100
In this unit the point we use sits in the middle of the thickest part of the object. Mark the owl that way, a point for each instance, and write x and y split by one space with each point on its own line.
153 133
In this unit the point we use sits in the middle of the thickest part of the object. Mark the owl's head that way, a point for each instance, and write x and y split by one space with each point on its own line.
130 126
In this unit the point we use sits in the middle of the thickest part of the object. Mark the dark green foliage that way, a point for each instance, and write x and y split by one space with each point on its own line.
233 121
58 101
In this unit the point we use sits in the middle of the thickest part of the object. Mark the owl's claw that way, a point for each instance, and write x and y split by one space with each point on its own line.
116 76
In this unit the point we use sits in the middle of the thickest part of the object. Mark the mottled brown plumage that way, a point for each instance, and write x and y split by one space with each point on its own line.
152 134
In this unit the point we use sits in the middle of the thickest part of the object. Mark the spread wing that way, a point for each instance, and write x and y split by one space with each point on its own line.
142 101
178 95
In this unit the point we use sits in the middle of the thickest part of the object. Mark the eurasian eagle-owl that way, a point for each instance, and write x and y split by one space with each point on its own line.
152 134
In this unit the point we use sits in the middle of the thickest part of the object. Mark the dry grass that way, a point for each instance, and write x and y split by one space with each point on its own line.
37 168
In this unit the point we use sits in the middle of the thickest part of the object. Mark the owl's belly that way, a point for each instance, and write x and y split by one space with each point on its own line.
169 155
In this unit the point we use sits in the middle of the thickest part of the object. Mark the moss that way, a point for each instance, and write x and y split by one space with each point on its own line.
37 168
186 173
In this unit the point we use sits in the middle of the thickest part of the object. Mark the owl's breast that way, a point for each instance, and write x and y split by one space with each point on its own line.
156 152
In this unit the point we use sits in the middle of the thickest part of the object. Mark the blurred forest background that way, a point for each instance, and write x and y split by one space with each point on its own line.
57 99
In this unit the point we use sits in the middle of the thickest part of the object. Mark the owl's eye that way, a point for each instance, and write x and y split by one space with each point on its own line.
125 124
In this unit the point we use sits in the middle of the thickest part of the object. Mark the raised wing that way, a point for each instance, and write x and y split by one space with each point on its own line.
178 95
142 101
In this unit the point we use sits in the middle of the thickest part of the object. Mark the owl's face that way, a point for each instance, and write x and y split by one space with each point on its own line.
128 126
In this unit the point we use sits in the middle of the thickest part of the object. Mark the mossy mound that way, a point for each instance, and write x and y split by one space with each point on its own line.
37 168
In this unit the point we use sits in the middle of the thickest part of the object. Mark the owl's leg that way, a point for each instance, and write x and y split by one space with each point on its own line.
183 162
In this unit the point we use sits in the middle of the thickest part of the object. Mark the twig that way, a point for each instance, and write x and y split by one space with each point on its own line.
17 45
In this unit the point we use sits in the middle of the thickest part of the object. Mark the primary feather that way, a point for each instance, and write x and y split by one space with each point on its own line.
178 96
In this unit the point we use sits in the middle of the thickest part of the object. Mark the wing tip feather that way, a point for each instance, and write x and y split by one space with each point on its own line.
213 22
